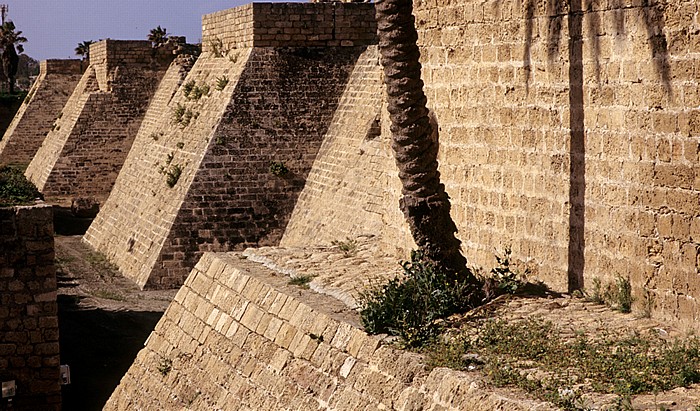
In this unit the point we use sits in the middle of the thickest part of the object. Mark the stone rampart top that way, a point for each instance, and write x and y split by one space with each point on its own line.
55 66
289 25
132 52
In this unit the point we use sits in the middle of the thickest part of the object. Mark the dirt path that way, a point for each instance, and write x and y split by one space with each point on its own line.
104 320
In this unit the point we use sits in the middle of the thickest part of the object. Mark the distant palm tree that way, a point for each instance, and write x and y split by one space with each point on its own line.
83 49
10 40
158 35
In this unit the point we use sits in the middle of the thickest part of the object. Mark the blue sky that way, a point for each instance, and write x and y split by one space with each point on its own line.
55 27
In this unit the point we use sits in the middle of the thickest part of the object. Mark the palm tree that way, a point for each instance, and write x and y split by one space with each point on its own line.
83 49
424 202
158 35
10 40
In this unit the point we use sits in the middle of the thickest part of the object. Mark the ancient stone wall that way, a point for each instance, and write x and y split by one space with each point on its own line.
288 25
42 106
83 153
346 193
29 351
238 336
221 169
569 135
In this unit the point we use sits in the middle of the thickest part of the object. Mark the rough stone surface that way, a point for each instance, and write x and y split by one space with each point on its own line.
587 170
84 151
238 336
40 109
29 352
266 107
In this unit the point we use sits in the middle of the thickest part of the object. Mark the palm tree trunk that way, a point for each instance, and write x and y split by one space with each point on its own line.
424 202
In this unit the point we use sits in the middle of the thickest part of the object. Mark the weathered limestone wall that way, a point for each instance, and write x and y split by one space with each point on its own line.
84 152
237 336
29 352
288 25
274 106
42 106
571 137
346 193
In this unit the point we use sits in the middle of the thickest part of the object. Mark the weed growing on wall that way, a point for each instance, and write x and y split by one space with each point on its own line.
301 281
348 247
278 168
221 83
165 366
15 188
217 47
171 171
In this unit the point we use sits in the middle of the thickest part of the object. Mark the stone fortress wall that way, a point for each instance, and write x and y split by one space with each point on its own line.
570 135
237 336
263 106
35 117
587 170
84 151
29 352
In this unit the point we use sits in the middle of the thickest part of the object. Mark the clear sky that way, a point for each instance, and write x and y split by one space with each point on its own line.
54 28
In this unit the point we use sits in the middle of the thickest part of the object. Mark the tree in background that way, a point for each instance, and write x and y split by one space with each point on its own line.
10 40
158 35
83 49
424 202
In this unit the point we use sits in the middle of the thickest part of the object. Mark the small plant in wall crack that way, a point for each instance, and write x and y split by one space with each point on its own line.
192 91
165 366
278 168
184 116
171 171
221 83
217 47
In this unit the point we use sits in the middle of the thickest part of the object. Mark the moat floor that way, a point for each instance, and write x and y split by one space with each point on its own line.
104 320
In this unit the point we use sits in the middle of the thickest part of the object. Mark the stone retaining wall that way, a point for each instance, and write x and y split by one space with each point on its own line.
587 170
84 151
29 351
237 336
265 109
42 106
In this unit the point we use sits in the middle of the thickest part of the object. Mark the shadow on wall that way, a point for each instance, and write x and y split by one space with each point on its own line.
573 11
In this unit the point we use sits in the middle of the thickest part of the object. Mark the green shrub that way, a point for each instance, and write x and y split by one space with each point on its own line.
15 188
409 307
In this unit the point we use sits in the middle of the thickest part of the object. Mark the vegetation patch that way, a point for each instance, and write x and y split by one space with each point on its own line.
410 306
534 355
278 168
302 280
171 171
15 189
348 247
217 47
616 295
221 83
165 366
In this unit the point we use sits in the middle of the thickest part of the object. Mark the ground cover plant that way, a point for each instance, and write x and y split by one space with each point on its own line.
533 354
15 189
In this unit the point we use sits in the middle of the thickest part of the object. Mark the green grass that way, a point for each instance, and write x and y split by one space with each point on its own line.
109 295
508 352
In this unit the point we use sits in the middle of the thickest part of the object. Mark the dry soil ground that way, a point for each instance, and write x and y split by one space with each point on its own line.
104 320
